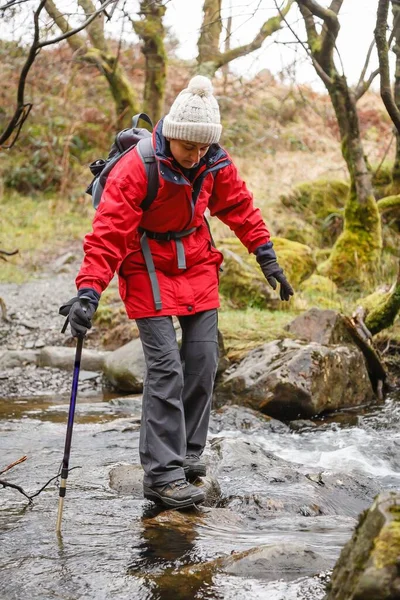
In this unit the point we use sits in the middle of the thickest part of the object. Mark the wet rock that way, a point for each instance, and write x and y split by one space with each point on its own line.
127 480
330 327
241 418
289 379
212 490
322 326
124 368
283 561
258 484
301 424
64 358
369 565
185 521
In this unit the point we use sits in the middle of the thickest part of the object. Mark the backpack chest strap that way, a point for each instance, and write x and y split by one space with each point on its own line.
180 252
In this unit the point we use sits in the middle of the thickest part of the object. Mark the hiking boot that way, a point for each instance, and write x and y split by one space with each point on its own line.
177 494
194 467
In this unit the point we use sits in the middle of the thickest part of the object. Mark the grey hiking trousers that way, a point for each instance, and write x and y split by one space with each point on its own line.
177 392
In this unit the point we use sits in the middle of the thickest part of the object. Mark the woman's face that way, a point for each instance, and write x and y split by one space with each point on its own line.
187 154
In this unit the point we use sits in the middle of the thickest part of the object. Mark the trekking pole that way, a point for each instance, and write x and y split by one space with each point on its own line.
68 437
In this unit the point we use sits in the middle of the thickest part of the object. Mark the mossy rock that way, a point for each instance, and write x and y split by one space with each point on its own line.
368 567
320 204
296 259
321 291
294 228
242 281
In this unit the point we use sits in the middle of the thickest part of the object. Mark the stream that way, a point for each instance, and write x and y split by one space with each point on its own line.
113 546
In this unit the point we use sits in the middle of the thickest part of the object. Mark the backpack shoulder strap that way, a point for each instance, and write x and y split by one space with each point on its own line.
146 152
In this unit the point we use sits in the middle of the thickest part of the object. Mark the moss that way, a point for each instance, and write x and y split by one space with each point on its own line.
242 281
386 551
320 203
389 203
384 313
296 259
321 291
295 229
356 254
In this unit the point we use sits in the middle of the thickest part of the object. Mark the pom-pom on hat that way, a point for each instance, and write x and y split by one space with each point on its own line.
194 115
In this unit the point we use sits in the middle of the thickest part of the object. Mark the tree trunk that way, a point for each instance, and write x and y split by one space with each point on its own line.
355 256
210 58
208 43
99 54
125 100
396 50
152 32
356 252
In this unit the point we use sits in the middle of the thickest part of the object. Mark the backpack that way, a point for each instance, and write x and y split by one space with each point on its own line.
126 140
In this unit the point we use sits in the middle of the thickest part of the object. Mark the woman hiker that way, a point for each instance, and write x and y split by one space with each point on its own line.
168 266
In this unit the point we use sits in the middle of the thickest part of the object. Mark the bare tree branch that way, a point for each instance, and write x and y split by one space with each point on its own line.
360 90
311 39
268 28
95 30
383 51
23 109
30 497
82 26
75 42
365 67
328 36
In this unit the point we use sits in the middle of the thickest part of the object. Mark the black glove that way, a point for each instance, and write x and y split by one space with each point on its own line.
266 258
80 310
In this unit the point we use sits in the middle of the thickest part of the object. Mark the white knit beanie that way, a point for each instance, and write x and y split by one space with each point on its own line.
194 115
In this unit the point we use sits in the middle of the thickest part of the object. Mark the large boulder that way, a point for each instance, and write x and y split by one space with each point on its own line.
369 565
125 367
288 379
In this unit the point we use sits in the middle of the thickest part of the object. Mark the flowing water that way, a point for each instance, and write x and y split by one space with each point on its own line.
111 547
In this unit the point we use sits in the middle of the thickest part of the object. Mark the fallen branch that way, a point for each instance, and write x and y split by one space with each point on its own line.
24 493
17 462
7 254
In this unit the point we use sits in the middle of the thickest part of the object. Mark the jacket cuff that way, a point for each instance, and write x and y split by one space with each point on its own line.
265 252
91 294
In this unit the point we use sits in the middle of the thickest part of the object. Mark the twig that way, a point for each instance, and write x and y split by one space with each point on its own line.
31 496
385 155
17 462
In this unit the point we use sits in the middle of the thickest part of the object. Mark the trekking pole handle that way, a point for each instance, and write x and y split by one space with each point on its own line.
84 300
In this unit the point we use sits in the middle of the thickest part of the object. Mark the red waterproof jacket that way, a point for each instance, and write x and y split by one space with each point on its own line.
114 244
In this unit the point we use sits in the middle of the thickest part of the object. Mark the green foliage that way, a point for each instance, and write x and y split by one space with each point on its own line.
320 204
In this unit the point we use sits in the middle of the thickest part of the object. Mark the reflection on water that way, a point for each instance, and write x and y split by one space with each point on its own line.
114 546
